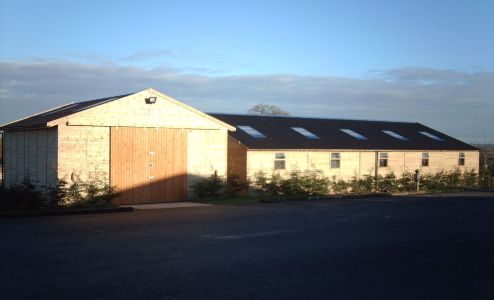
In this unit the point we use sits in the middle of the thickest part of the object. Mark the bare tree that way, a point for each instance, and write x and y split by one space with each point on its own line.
262 109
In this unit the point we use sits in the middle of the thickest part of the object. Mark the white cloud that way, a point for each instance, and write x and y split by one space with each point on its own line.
458 103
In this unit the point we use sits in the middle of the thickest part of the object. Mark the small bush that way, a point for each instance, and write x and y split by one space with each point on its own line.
58 193
275 186
314 183
23 196
406 182
363 185
209 187
386 184
234 186
294 185
470 178
339 186
93 192
486 178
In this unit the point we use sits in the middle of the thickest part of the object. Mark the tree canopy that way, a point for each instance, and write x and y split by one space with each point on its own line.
262 109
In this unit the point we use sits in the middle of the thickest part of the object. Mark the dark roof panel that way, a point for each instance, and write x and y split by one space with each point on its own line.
40 120
279 134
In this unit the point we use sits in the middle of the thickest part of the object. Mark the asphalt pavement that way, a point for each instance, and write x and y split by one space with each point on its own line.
382 248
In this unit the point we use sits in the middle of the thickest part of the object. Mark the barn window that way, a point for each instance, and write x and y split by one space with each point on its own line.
461 159
335 160
305 133
251 131
425 159
383 160
430 135
279 161
395 135
354 134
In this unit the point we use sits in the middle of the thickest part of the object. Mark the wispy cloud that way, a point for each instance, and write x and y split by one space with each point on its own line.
459 103
146 54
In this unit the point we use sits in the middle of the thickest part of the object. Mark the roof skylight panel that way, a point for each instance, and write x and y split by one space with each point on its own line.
395 135
354 134
305 133
251 131
430 135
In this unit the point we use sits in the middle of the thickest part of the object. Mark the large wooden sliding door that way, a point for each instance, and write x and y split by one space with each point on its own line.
148 165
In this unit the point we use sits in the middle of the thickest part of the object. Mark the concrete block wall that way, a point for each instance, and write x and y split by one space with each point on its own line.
207 153
84 151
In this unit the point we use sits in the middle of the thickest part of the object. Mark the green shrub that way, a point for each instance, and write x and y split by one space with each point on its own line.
386 184
455 179
435 182
363 185
58 193
470 178
406 182
260 182
93 192
209 187
339 186
314 183
23 196
275 186
293 185
234 186
486 178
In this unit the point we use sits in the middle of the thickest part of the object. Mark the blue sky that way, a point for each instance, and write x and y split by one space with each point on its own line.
205 45
345 38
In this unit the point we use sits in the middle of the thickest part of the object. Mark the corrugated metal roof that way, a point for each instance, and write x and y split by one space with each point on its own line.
280 135
40 120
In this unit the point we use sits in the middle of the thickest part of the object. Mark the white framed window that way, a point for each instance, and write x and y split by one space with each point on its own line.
461 159
279 161
425 159
383 160
335 160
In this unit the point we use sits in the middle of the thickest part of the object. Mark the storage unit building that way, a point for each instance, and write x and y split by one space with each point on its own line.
148 145
341 148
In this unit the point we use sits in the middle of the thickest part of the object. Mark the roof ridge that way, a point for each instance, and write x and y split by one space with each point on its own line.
105 98
311 118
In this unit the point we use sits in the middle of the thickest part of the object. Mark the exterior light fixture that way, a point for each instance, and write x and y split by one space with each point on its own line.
151 100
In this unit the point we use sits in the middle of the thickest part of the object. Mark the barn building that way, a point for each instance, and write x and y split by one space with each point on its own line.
341 148
150 146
